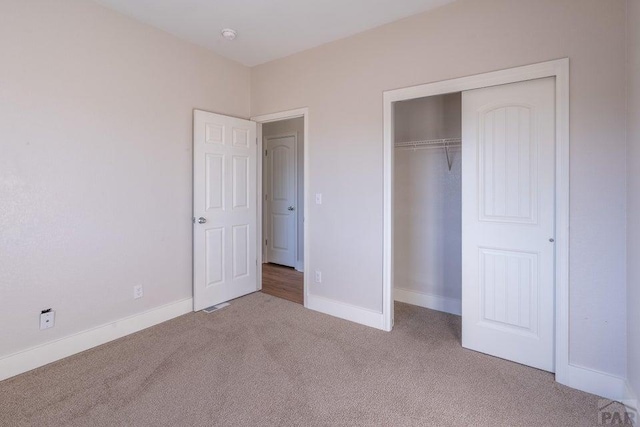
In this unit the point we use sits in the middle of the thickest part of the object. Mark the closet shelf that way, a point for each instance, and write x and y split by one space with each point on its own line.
445 143
430 143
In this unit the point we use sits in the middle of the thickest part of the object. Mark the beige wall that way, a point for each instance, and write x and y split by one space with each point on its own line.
633 193
282 127
342 84
95 163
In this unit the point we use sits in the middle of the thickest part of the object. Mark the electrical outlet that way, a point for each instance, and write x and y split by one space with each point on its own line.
137 292
47 318
318 198
318 276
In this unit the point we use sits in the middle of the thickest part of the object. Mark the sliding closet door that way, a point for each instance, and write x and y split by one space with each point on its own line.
508 192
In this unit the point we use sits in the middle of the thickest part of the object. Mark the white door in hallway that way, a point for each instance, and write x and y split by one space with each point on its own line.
281 238
224 208
508 194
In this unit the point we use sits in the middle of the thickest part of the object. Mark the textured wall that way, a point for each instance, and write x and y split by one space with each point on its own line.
95 164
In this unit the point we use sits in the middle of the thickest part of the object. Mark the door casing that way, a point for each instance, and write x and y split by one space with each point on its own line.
558 69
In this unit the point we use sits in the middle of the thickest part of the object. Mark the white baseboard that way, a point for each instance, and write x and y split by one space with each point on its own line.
434 302
41 355
300 266
594 382
345 311
581 378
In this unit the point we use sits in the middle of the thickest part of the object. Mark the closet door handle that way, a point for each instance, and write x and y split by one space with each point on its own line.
291 208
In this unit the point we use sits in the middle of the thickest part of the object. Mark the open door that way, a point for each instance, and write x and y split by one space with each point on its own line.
224 208
508 228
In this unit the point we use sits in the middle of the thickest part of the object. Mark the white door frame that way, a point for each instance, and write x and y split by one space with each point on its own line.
294 135
274 117
558 69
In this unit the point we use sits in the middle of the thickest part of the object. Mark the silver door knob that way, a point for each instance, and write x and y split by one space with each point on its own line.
202 220
291 208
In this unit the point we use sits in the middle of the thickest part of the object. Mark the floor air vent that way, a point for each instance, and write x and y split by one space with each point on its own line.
216 307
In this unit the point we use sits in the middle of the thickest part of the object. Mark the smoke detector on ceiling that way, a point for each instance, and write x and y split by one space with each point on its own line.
229 34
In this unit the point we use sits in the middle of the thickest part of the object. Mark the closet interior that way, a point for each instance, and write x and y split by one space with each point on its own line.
427 205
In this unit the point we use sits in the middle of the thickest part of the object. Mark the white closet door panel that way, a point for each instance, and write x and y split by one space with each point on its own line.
508 193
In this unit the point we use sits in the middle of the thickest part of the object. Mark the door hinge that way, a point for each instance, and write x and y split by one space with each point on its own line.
266 242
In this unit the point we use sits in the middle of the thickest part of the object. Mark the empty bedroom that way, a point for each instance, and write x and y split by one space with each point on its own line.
303 213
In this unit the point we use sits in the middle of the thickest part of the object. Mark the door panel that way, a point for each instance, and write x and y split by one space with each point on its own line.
241 181
241 251
508 290
281 200
214 182
508 193
214 254
224 195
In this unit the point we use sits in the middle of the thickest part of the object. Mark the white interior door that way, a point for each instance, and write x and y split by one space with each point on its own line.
508 192
224 207
281 193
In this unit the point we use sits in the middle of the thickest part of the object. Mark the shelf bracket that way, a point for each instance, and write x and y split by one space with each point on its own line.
446 151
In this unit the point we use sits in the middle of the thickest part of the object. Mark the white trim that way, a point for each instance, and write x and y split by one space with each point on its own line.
265 203
300 265
596 382
562 221
388 212
283 115
44 354
434 302
344 311
259 206
565 372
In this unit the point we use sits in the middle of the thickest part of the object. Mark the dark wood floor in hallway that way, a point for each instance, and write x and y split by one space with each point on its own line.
282 282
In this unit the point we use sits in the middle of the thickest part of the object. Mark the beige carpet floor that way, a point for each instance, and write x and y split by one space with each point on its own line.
266 361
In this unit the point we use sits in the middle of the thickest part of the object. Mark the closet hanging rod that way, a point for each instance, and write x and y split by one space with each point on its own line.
445 143
430 143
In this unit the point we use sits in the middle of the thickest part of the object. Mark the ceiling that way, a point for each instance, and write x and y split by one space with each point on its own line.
267 29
